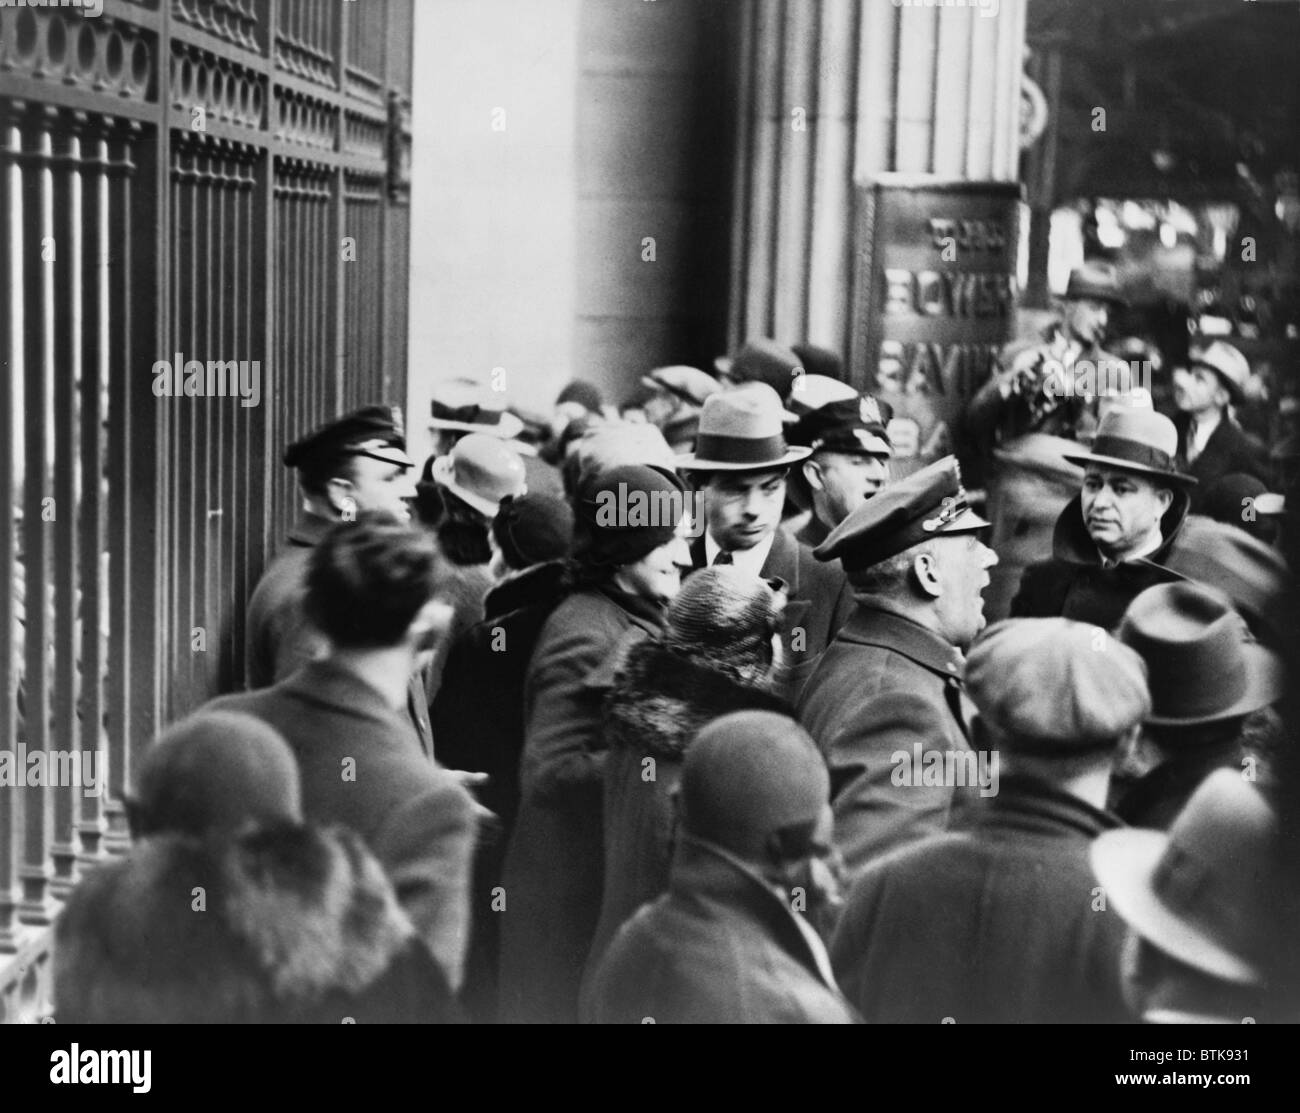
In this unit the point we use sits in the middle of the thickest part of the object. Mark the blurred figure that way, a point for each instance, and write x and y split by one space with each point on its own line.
716 656
600 447
891 679
1207 674
849 463
1244 501
476 715
1210 442
676 395
990 922
629 547
579 405
816 360
1113 540
739 467
728 943
762 361
1202 905
346 467
371 589
230 911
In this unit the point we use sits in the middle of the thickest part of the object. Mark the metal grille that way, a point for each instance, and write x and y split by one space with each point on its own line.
176 182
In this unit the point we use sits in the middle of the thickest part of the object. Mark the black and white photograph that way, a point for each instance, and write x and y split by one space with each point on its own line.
659 512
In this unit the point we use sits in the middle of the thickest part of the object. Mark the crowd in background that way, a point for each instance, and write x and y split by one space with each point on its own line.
696 710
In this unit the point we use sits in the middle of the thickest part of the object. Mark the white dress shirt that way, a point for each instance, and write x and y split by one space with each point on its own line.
747 560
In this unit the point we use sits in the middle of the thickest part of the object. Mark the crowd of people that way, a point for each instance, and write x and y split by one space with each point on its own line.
697 712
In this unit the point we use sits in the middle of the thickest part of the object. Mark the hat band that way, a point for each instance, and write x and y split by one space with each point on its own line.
1133 451
740 450
466 415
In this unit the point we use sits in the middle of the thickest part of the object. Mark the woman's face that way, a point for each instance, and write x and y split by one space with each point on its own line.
658 574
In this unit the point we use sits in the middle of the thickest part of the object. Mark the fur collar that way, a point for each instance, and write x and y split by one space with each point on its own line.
660 700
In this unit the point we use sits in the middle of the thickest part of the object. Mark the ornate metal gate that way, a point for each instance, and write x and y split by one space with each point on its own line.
203 230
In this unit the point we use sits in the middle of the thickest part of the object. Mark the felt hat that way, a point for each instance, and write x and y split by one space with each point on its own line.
742 430
1228 363
481 471
470 407
1136 440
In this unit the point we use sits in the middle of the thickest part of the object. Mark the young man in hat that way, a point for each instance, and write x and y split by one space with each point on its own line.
346 467
727 943
1210 443
739 466
372 588
890 681
1112 541
1205 908
1207 674
991 921
849 463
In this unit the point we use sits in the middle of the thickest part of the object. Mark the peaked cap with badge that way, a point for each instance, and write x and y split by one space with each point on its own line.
374 431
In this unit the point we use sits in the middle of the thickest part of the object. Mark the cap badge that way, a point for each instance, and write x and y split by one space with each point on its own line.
951 508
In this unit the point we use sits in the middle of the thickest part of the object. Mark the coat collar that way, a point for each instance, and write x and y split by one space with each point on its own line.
1071 542
539 585
1027 804
328 684
705 871
870 625
309 530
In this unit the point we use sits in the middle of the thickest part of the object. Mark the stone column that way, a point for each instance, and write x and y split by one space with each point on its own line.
833 92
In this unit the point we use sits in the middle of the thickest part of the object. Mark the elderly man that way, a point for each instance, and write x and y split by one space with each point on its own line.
890 682
345 467
1112 541
991 921
739 465
849 462
371 588
728 943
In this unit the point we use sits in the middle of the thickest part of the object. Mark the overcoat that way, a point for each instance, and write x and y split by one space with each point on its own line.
997 920
886 686
719 947
1228 451
279 638
660 700
359 770
555 859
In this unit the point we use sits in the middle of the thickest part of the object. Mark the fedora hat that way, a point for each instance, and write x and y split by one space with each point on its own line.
1229 364
1136 440
472 408
742 430
1201 892
1098 281
1203 666
481 471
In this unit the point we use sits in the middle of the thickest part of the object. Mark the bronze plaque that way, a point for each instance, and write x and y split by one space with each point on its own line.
934 301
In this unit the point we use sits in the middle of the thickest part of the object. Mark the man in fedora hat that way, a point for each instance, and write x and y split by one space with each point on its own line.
1203 904
989 921
1210 442
354 464
890 681
849 463
1207 675
1111 541
739 465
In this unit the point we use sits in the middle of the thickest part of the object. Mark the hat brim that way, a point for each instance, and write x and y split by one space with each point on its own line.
1265 684
965 522
691 462
1125 862
393 455
1120 464
507 429
442 473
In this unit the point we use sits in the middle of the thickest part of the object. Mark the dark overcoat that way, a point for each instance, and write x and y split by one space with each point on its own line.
359 770
659 701
885 686
997 920
719 947
279 638
1229 450
555 860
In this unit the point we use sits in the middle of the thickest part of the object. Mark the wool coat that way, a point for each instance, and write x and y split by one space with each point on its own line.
279 638
359 770
555 860
280 925
886 686
819 603
660 700
997 920
1229 450
719 947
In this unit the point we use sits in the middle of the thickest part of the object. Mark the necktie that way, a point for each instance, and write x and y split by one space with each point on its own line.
1192 450
723 557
